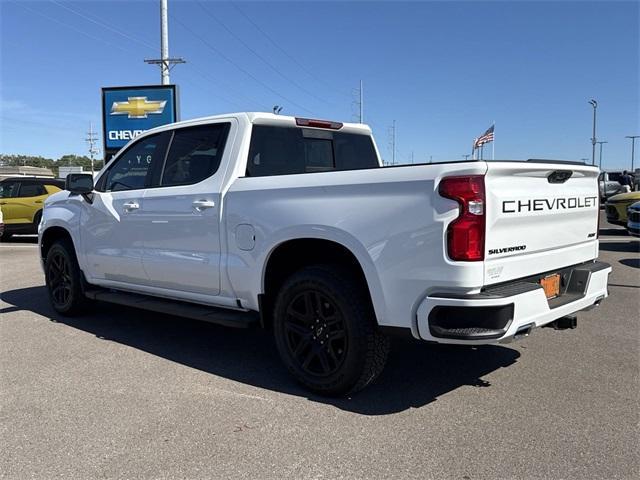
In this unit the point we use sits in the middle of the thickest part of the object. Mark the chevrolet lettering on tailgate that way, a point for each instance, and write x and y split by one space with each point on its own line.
545 204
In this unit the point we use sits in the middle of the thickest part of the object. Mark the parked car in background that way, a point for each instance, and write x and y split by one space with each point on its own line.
616 207
22 200
633 219
609 184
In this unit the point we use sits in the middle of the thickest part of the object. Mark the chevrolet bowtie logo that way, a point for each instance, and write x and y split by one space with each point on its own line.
138 107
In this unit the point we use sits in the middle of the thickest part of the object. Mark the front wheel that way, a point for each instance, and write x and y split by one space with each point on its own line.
63 279
325 331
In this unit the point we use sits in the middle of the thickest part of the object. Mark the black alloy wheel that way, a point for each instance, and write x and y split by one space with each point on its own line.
59 280
315 333
325 330
64 279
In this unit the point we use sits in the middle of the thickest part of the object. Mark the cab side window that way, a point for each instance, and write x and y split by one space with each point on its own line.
8 189
133 170
194 154
31 190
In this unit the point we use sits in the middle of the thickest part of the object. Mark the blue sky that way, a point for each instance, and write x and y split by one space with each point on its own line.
443 70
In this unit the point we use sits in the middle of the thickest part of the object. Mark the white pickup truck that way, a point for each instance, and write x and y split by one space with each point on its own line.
293 224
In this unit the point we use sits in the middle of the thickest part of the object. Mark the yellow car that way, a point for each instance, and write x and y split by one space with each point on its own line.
21 201
616 207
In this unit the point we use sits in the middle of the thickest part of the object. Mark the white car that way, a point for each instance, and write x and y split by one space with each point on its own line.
293 223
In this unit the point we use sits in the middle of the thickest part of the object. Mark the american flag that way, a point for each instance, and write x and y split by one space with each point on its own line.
486 137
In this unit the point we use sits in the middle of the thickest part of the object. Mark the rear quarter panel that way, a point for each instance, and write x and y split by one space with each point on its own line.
391 219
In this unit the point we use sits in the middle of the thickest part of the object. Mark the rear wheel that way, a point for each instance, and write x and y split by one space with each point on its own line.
63 279
325 331
5 237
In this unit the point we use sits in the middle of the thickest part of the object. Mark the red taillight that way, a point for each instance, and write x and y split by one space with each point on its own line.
465 235
310 122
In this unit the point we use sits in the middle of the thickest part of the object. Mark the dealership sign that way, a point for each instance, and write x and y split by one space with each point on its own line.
129 111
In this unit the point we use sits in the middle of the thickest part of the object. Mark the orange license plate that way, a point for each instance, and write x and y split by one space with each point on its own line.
551 285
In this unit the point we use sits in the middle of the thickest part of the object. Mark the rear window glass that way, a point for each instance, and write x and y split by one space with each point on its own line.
291 150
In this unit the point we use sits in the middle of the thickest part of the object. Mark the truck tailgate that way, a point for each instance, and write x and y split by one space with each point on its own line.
539 217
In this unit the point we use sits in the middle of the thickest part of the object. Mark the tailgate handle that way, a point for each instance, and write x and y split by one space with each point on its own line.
559 176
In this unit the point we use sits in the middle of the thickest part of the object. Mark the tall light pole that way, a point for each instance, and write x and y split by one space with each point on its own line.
633 147
600 143
594 104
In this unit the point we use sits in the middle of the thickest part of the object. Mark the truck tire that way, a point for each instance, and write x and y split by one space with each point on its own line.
64 279
325 331
36 220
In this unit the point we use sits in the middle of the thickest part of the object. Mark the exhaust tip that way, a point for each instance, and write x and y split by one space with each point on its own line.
523 331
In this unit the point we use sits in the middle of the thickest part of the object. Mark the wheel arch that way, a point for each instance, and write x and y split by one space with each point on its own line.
50 236
291 255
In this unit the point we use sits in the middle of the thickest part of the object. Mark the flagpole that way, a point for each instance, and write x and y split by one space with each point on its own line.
493 144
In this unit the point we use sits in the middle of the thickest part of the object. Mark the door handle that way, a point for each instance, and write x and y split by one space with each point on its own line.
201 205
130 206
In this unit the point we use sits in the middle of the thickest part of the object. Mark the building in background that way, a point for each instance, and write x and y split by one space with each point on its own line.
25 171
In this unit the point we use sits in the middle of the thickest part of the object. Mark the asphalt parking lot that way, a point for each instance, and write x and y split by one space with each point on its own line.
122 393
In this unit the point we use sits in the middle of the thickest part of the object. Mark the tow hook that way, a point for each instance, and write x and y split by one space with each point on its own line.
564 323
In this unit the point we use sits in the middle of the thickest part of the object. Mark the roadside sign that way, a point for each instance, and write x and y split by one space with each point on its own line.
129 111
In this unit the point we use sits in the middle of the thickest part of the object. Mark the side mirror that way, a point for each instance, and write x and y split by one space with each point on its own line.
79 183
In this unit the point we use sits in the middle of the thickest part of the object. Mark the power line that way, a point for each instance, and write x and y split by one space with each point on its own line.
128 50
104 25
229 60
71 27
287 54
264 60
206 76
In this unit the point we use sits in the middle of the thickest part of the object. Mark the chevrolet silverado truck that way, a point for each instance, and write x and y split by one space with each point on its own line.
294 224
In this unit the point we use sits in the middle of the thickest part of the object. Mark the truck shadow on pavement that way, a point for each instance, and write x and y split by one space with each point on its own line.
620 231
416 373
631 246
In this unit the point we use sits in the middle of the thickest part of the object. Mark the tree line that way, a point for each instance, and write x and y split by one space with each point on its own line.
51 163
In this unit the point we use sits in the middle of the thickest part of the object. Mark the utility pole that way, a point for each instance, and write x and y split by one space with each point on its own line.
601 152
594 104
466 156
393 143
92 140
633 147
166 63
358 103
361 103
411 156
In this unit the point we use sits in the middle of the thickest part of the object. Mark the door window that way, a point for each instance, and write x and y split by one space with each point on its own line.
134 168
8 189
194 154
31 190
